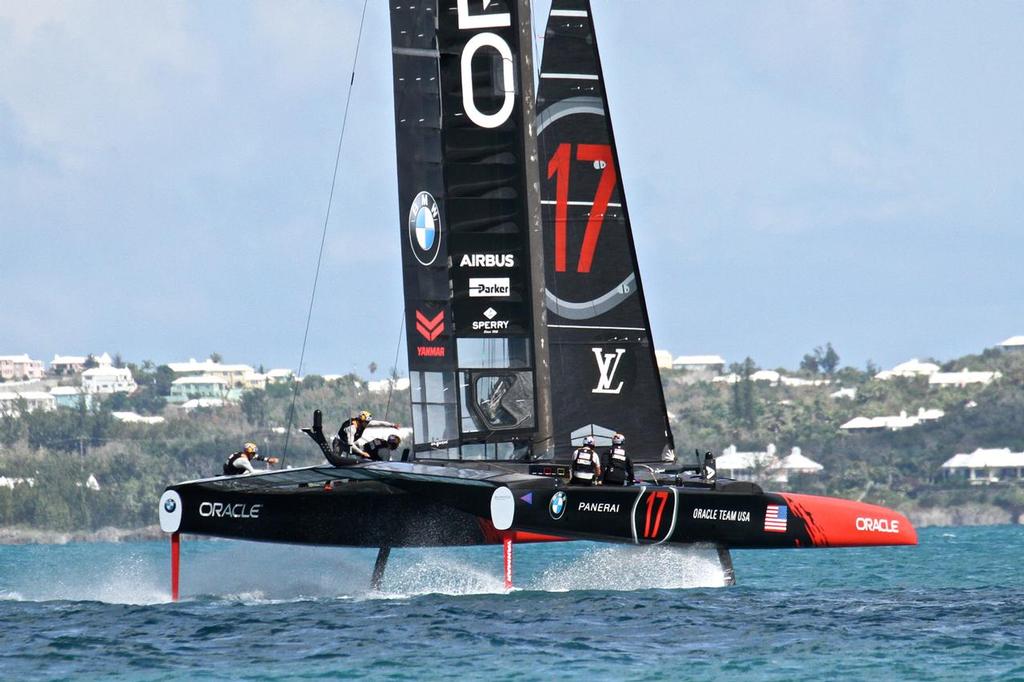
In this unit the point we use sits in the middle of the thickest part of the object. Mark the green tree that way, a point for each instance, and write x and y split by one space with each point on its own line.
254 407
809 363
216 357
828 359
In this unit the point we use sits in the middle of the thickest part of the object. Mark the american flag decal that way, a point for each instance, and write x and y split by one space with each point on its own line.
775 518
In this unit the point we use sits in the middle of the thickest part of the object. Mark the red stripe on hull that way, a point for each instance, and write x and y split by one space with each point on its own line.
832 522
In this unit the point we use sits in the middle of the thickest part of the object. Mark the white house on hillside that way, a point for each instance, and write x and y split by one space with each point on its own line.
892 422
20 367
236 376
279 376
203 386
663 358
909 369
962 378
67 365
1013 343
986 465
765 465
699 367
11 402
107 379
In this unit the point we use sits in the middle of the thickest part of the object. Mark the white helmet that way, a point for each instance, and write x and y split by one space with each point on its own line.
588 441
618 439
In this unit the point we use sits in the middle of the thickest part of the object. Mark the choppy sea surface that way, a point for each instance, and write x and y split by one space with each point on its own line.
951 608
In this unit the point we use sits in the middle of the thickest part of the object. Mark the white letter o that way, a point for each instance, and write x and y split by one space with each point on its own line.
468 103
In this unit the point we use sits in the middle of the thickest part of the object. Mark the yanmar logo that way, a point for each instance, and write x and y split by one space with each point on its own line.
430 328
866 523
220 510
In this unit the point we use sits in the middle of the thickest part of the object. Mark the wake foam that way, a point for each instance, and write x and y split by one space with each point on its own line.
252 573
626 567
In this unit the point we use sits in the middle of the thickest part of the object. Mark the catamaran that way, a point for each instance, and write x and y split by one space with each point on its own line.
527 331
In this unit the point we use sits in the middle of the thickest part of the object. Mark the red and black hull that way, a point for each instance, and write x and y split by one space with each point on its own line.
420 506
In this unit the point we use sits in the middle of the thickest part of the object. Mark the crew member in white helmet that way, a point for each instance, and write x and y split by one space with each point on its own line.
586 464
618 467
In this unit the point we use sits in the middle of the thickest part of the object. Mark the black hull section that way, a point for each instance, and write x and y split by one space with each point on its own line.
413 505
353 514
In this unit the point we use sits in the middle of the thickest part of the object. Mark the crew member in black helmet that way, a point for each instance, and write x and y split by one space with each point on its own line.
618 467
241 462
586 464
380 449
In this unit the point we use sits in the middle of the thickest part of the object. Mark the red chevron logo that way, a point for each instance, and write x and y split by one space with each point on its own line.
429 329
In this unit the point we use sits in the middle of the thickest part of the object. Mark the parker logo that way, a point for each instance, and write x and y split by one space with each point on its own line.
489 287
607 365
430 328
487 260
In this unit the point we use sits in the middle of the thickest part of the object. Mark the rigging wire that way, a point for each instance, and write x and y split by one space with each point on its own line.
394 367
323 237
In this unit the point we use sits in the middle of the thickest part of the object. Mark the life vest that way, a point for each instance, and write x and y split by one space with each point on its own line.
229 465
343 432
619 468
584 464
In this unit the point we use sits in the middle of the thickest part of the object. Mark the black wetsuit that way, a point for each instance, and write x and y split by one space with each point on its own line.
618 467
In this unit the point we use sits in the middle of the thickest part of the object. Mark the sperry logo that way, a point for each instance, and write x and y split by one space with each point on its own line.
607 365
429 328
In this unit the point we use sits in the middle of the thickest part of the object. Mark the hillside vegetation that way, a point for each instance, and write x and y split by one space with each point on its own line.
133 463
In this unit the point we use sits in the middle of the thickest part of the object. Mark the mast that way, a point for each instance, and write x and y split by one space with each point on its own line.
543 439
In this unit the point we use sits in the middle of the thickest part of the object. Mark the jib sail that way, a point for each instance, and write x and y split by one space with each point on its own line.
603 371
465 163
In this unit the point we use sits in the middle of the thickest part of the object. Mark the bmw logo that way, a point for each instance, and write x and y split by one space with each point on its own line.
425 228
169 505
557 505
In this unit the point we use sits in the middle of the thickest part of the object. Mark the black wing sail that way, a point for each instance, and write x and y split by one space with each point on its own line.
603 371
465 158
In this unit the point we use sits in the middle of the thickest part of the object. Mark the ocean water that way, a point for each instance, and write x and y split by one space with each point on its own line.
951 608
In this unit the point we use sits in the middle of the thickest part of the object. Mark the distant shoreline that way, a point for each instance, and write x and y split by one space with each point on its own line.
20 535
967 515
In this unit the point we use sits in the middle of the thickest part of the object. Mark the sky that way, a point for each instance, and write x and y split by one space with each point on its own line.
797 173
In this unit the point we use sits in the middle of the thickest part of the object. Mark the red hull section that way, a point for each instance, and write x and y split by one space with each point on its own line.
833 522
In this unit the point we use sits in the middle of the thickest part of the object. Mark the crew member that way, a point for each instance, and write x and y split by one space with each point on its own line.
241 462
350 441
618 467
378 448
586 464
347 442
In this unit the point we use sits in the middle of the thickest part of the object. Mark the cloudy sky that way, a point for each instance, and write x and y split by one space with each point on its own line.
797 173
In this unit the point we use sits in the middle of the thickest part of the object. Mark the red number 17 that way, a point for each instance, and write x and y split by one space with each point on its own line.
601 155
